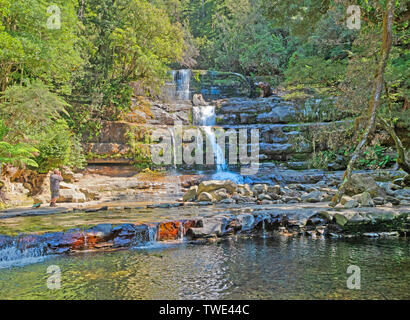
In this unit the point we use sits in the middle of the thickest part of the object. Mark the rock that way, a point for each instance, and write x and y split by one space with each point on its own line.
211 227
242 199
392 200
219 195
244 190
205 197
228 201
274 190
191 194
198 100
129 234
279 114
90 195
378 201
212 185
266 89
345 199
259 188
246 220
351 204
77 177
67 174
360 183
264 197
340 219
312 197
70 195
364 199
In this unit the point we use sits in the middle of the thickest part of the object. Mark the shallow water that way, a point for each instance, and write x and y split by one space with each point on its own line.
241 268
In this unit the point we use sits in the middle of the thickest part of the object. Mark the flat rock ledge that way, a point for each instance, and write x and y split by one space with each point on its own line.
309 222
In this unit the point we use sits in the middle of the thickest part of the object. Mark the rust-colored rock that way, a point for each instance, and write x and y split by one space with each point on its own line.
168 230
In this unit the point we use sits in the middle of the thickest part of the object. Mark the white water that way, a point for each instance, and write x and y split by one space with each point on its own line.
205 117
11 255
174 145
182 78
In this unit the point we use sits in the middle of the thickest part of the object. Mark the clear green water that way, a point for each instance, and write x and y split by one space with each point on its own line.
276 268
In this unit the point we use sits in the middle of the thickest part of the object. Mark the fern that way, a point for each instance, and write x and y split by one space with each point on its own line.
17 155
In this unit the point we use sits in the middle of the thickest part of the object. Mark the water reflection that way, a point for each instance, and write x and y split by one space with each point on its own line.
272 268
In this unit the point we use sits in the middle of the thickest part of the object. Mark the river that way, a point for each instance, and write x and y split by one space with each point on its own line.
239 268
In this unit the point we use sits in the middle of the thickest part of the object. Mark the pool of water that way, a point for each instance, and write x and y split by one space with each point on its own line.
238 268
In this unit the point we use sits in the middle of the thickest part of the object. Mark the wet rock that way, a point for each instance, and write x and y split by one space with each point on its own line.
104 231
191 194
211 227
168 230
104 208
228 201
246 221
205 197
129 234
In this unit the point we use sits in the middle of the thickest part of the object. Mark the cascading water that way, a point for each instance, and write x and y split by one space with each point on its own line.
182 78
12 254
205 117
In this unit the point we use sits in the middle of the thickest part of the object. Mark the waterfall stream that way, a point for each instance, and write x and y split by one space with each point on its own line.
205 117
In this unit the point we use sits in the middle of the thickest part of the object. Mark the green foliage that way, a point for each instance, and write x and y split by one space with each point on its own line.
376 157
30 50
31 106
58 147
123 41
17 155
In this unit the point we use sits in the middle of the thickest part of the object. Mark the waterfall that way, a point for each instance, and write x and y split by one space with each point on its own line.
182 78
174 146
205 117
13 254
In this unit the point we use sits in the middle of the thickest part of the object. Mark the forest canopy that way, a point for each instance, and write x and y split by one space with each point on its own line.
82 56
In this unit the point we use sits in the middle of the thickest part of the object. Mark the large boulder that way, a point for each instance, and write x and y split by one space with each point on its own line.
191 194
71 195
360 183
205 197
213 185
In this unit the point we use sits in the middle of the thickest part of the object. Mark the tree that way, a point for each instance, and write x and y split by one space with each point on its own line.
29 49
375 101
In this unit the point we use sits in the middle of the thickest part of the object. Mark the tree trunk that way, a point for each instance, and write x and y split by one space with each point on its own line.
376 96
401 157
